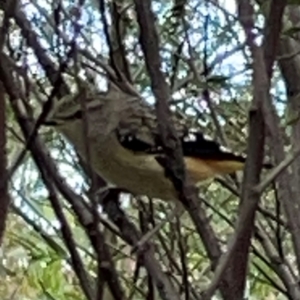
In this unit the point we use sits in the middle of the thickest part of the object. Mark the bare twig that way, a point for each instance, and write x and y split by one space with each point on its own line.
236 257
173 162
280 265
146 255
108 40
59 86
176 212
9 7
288 187
42 161
276 171
4 197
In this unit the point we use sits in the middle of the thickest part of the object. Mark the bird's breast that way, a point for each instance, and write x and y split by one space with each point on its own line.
140 174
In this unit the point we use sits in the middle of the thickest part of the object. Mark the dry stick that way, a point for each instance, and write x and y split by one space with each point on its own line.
176 212
281 266
262 74
4 197
174 157
51 178
276 171
54 75
132 235
41 160
283 270
170 142
4 194
288 195
243 230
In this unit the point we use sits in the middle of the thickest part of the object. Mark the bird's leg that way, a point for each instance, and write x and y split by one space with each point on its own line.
177 211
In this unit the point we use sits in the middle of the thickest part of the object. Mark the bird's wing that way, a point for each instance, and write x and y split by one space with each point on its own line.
139 133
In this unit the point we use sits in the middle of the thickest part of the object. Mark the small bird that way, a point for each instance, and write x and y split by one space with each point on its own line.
120 135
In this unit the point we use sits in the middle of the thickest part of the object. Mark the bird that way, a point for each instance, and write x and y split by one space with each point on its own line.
116 133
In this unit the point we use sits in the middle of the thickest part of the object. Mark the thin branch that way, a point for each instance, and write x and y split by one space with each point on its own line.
59 86
9 7
108 40
4 197
276 172
42 161
236 258
118 32
42 55
279 265
173 161
146 255
287 183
